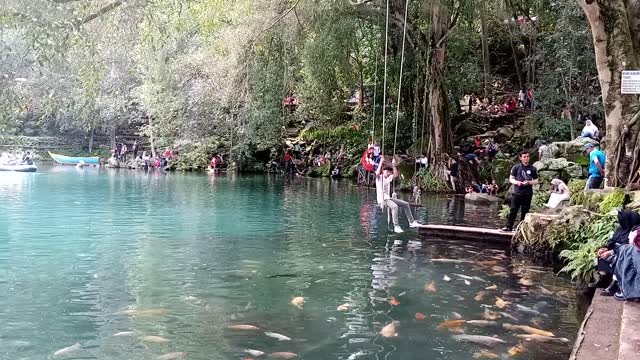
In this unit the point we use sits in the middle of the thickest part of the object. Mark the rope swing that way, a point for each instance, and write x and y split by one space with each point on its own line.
404 38
384 86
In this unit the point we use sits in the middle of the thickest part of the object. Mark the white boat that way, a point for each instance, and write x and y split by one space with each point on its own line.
19 167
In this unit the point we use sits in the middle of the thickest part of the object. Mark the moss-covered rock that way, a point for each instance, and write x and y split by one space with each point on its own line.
572 150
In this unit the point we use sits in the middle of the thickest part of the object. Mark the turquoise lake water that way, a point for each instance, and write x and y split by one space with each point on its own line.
86 254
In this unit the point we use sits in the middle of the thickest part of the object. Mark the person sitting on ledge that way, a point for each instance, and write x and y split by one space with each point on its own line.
628 220
627 262
559 193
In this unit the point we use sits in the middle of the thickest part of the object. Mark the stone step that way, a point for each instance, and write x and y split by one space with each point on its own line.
599 336
630 332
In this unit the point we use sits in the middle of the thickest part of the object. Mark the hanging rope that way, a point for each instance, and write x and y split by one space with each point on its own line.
375 90
404 38
384 88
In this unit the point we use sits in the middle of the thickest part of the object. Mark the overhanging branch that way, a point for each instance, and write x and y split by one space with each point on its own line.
107 8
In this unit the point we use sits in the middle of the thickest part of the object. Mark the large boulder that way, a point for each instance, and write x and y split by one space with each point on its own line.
479 197
503 135
560 167
572 150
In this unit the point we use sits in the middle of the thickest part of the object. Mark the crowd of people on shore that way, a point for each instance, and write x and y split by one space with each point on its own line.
19 158
298 160
136 157
496 106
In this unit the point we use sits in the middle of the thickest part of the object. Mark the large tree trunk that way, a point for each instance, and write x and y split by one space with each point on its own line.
616 37
440 130
485 47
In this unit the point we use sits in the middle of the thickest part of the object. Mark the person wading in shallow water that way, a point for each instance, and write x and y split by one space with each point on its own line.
384 177
523 177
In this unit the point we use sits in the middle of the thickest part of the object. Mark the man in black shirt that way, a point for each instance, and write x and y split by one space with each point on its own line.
523 177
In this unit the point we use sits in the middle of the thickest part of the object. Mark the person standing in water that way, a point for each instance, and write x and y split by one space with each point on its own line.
384 177
523 177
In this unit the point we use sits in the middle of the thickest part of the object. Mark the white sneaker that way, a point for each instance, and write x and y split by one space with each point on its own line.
415 224
397 229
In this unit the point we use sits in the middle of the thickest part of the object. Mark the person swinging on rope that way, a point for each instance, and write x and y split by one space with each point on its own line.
384 177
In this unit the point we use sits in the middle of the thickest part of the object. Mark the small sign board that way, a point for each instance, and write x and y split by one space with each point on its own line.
631 82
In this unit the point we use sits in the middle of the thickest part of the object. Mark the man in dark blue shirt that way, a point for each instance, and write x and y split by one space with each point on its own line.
523 177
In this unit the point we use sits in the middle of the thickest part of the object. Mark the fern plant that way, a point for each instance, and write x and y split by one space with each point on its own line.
581 253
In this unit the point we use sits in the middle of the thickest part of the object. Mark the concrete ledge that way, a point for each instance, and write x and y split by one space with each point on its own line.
467 233
599 336
630 332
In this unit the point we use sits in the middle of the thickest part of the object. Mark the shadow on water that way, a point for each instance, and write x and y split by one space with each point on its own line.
86 254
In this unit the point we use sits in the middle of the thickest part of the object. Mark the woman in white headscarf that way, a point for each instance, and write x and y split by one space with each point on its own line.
559 193
590 130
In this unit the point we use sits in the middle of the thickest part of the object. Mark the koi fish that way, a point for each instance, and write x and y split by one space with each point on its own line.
172 356
431 287
67 350
394 301
540 338
528 330
242 327
143 313
492 287
344 307
465 277
509 316
516 350
450 324
420 316
298 302
124 333
446 278
155 339
484 354
479 296
501 304
490 315
283 355
277 336
256 353
390 330
481 322
455 315
479 339
528 310
525 282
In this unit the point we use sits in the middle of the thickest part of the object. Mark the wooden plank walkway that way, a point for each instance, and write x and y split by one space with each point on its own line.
466 233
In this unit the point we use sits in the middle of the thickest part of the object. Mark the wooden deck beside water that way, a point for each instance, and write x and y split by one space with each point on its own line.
467 233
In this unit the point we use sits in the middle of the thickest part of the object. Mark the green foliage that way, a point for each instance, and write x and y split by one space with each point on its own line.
196 156
583 244
346 135
613 201
503 213
540 198
432 183
576 187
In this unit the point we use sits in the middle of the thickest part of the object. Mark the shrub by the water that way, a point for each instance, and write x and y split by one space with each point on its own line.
576 187
431 183
583 244
613 201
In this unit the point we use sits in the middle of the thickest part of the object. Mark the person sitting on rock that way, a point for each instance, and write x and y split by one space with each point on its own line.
559 193
628 220
590 131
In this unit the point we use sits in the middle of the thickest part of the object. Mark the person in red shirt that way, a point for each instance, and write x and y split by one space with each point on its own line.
167 154
287 161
